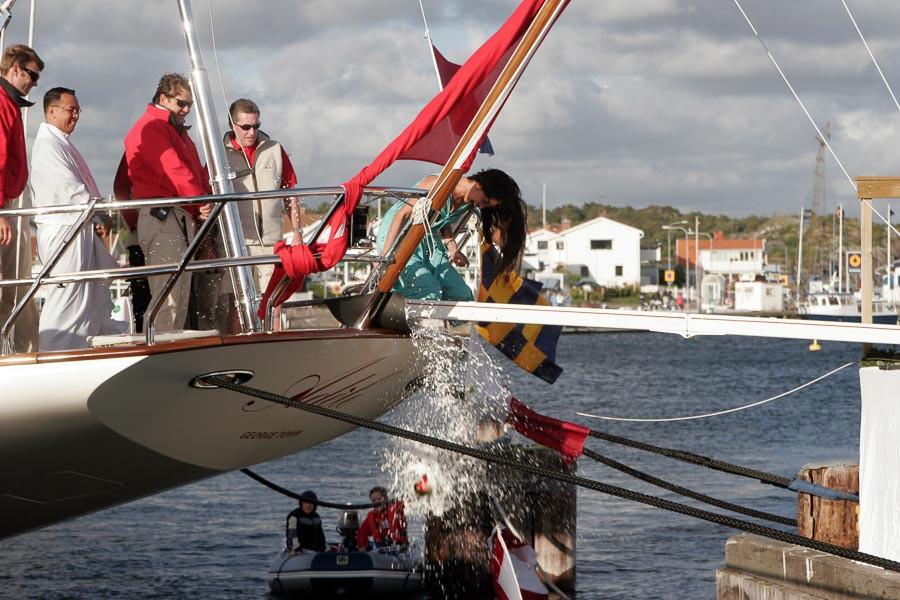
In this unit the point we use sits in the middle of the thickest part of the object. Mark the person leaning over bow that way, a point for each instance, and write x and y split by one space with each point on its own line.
59 176
429 274
260 164
20 69
163 162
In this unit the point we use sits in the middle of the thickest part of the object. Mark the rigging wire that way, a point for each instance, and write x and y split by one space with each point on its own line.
890 91
872 56
721 412
796 97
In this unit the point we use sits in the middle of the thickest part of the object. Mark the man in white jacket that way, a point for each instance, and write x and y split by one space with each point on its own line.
59 176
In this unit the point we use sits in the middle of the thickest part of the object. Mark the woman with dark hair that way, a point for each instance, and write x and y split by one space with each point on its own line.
429 274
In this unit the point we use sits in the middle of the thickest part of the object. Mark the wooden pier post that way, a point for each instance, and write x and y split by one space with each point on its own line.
543 511
832 521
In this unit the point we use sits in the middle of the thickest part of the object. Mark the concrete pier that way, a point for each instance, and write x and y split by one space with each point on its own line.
758 568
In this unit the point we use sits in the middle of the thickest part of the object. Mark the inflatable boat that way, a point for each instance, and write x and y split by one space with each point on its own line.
387 572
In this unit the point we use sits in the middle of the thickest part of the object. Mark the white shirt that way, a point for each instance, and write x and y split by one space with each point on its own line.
59 174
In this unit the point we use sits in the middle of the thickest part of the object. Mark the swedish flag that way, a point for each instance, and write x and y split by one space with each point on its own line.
532 347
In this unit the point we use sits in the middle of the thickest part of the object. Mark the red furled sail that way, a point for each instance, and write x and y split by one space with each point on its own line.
432 137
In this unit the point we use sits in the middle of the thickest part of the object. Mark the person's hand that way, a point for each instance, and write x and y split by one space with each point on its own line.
460 259
205 211
6 232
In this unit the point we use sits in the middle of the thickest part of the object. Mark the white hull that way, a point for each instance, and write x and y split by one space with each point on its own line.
87 432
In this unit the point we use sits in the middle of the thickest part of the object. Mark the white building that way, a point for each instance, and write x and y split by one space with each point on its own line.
601 249
758 296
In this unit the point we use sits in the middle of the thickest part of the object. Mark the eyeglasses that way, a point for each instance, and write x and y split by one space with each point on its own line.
181 103
248 126
34 76
75 111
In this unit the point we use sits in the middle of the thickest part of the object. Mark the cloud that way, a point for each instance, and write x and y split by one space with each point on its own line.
637 102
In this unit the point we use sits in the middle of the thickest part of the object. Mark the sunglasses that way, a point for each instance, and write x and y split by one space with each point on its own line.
181 103
248 126
34 76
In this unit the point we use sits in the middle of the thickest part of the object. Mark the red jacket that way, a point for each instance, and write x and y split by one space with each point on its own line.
386 526
163 163
13 161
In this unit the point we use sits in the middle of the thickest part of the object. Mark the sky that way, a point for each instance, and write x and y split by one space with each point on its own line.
627 102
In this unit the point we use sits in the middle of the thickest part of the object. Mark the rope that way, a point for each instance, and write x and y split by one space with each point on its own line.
696 459
789 538
420 211
721 412
688 493
297 496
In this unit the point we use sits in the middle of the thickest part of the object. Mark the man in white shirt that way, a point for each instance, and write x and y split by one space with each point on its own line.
59 175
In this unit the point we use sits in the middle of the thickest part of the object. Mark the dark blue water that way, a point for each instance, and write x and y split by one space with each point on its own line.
215 539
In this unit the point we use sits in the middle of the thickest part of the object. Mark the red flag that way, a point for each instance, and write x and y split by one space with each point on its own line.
446 70
564 437
513 565
431 137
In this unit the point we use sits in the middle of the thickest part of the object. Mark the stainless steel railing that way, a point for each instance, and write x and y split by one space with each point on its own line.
186 263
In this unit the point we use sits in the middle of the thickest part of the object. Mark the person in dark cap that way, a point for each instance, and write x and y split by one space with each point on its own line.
304 527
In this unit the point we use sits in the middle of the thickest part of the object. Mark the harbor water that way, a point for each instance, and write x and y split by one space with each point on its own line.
215 539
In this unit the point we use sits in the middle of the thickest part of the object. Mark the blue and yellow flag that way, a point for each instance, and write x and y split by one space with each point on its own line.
532 347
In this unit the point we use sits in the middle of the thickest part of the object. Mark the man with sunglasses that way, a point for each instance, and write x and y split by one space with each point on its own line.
20 69
260 164
60 176
163 163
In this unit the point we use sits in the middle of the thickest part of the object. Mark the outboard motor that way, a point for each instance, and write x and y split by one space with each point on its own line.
348 525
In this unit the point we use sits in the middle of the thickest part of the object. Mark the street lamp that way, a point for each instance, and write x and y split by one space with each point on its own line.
668 229
687 265
698 233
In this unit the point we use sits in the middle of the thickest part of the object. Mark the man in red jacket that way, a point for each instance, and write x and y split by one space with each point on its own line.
162 163
385 523
20 69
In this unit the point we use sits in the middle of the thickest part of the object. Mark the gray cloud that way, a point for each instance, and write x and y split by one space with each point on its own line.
634 102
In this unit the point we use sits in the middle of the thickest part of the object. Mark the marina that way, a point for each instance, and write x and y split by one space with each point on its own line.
126 462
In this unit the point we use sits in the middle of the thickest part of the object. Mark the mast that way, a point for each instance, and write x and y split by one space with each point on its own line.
800 254
232 233
841 249
544 206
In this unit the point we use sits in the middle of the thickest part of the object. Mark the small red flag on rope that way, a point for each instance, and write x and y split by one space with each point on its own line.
564 437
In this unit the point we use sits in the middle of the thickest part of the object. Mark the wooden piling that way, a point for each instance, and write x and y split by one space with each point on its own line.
542 510
832 521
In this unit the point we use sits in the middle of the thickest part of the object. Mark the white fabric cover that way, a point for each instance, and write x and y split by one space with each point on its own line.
879 463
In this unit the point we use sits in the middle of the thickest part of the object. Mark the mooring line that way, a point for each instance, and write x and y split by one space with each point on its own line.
721 412
712 517
750 512
695 459
274 486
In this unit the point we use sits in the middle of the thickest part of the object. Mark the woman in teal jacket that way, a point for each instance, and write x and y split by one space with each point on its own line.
429 274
